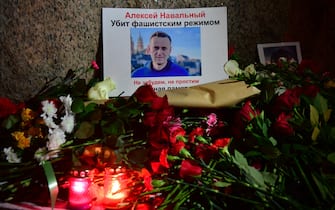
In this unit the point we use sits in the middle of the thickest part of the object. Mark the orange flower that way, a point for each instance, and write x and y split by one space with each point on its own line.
27 114
23 141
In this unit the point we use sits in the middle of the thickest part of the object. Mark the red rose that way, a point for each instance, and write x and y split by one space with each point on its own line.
189 168
247 112
158 103
7 107
308 65
164 114
311 90
158 138
287 101
238 128
150 119
145 94
281 126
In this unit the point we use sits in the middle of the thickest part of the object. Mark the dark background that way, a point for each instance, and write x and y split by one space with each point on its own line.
40 40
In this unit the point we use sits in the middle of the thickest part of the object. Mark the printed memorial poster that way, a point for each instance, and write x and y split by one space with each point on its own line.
167 48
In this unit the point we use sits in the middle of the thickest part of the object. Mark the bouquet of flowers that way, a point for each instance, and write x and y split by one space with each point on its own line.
272 150
55 126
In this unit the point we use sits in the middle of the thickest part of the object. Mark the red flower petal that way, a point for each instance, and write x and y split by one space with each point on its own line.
7 107
163 158
189 168
221 142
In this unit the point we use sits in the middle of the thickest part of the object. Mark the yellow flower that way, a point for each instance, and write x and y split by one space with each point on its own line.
23 141
329 84
27 114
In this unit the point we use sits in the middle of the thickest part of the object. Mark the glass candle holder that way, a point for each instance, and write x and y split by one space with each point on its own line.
116 188
79 190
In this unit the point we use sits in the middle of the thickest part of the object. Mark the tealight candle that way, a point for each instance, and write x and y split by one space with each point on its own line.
79 194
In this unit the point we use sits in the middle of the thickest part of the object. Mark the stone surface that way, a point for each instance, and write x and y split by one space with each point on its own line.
40 40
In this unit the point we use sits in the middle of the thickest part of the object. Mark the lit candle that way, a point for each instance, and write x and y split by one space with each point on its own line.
116 189
79 195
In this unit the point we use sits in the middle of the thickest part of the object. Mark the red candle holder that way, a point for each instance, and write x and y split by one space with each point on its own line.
116 188
79 190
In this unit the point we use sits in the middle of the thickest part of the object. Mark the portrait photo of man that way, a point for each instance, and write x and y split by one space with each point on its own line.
271 53
156 61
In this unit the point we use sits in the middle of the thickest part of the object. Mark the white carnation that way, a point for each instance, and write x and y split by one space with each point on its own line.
49 109
50 123
67 101
11 156
56 139
67 123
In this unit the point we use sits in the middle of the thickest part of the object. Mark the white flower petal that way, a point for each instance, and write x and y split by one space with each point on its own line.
101 90
232 68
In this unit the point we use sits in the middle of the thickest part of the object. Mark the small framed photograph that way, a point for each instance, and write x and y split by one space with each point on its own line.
271 52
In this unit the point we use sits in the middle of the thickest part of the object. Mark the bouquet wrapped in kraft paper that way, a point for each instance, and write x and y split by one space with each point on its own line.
223 93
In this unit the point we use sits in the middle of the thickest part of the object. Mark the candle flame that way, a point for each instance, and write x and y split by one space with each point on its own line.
79 187
115 191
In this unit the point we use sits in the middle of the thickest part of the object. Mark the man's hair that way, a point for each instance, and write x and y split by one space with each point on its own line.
161 34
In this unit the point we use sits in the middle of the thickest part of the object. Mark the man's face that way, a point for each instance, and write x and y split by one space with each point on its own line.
159 49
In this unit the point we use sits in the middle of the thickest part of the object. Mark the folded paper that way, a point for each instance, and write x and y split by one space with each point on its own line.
223 93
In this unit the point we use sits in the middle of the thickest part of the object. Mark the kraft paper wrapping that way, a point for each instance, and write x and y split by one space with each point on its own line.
223 93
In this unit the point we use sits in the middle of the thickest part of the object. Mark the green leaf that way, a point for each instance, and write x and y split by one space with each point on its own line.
322 187
221 184
158 183
273 141
116 127
270 152
314 116
255 177
78 105
252 174
327 115
321 103
331 157
90 107
315 133
10 121
240 160
270 178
